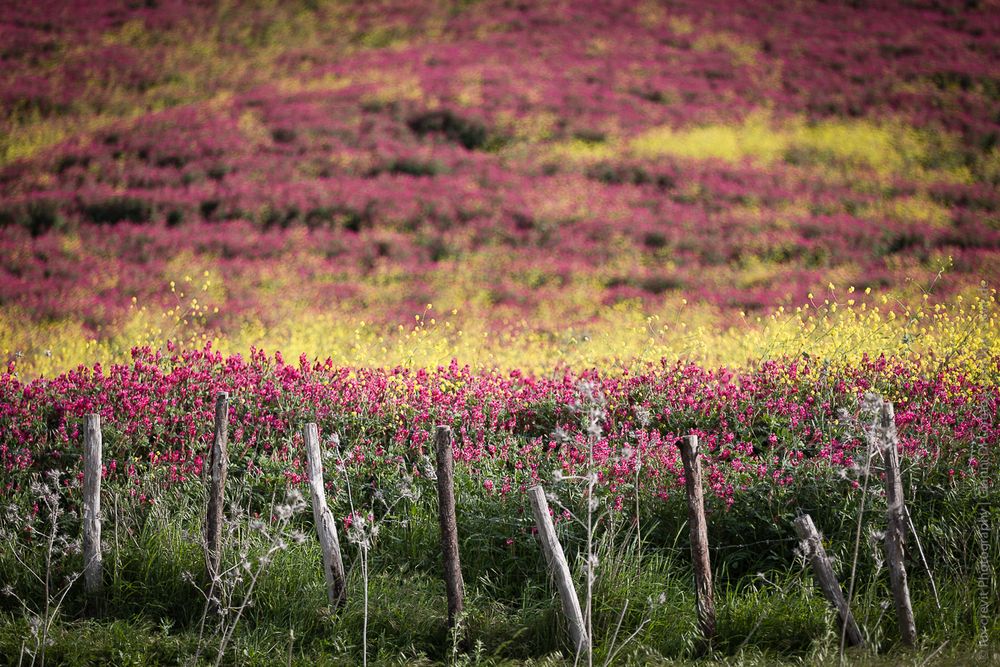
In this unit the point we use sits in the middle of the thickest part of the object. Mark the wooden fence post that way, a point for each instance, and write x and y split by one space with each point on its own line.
326 527
812 543
218 465
454 584
93 570
559 569
699 538
895 534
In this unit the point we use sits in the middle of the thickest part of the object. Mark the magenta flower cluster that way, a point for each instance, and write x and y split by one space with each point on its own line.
762 427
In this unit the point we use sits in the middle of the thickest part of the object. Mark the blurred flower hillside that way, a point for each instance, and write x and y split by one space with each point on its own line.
511 184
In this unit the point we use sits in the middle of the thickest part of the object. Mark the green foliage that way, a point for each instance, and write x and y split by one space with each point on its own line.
470 133
768 608
37 216
113 210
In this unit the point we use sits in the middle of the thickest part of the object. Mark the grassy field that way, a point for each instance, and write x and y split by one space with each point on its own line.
769 611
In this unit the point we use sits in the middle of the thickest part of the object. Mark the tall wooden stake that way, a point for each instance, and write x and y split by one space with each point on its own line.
825 577
326 527
93 570
699 538
218 464
895 534
454 584
559 569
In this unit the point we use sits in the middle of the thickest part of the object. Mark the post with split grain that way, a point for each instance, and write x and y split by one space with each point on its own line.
454 584
812 545
559 569
326 527
93 569
699 539
218 464
895 534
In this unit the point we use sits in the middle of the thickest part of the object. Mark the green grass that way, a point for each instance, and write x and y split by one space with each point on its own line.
768 609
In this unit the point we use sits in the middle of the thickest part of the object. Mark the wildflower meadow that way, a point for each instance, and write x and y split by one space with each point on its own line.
500 333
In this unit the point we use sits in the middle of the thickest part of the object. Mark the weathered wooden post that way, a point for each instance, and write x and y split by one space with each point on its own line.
326 527
895 534
454 584
93 568
812 544
218 464
699 538
559 569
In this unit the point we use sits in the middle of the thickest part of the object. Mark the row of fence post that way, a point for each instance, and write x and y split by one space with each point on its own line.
555 558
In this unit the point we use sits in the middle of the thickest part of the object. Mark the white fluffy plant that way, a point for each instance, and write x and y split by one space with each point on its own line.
363 528
591 408
231 591
39 543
